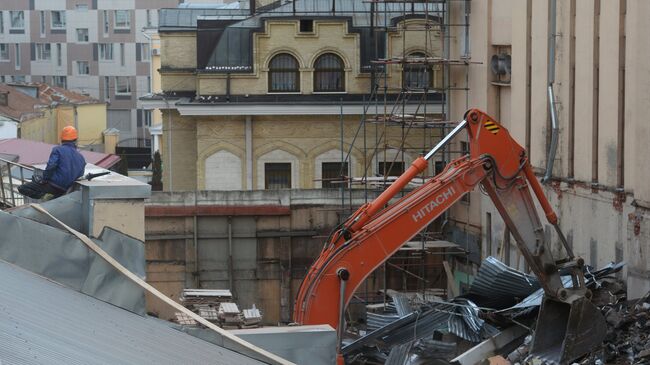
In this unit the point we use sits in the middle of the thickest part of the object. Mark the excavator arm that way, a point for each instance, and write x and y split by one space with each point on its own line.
376 231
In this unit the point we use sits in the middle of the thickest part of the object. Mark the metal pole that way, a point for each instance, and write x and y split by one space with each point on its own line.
11 185
343 275
446 140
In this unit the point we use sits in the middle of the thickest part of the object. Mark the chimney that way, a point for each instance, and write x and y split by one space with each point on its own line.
252 6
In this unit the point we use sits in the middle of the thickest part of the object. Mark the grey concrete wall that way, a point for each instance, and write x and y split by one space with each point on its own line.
271 248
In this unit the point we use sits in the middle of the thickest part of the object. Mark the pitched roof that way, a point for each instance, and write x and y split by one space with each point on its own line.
33 153
53 94
20 106
44 322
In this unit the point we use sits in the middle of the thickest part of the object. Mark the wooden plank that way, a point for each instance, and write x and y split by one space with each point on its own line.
451 286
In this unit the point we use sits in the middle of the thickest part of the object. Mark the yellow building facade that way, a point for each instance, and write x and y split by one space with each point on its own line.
225 127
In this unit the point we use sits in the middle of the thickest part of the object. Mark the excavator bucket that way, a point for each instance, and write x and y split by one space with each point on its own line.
565 331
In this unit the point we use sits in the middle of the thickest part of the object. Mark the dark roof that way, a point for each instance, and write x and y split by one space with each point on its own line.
20 106
42 322
32 153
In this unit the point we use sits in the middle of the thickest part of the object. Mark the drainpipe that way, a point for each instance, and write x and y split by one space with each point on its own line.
555 129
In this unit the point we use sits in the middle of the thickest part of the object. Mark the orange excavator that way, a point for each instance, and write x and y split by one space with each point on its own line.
568 325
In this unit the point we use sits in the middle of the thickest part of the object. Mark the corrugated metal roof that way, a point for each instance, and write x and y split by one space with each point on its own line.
42 322
33 153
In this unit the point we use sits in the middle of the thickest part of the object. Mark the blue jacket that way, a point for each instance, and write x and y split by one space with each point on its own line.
65 166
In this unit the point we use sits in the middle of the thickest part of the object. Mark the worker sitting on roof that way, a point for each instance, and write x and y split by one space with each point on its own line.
65 166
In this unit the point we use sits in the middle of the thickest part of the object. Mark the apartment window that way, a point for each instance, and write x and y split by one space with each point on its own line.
122 19
41 22
83 68
107 91
149 24
416 75
2 81
105 20
122 54
439 166
59 55
17 47
60 81
4 52
331 173
81 7
393 168
19 78
284 75
82 34
329 73
147 118
149 84
58 19
43 51
2 22
17 19
106 51
122 85
145 52
277 175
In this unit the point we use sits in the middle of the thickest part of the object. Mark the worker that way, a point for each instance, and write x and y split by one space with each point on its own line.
64 166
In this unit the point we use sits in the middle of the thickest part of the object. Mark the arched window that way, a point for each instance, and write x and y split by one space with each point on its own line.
417 75
329 73
284 75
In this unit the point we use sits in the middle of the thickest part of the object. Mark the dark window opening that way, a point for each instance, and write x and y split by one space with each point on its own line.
416 75
277 175
464 148
439 166
396 168
284 74
306 26
332 174
329 73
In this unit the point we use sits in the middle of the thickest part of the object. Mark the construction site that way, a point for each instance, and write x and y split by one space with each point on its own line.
399 182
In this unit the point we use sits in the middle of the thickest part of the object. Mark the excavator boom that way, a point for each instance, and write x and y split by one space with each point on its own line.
376 231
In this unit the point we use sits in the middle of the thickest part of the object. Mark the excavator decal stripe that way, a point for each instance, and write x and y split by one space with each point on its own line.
492 127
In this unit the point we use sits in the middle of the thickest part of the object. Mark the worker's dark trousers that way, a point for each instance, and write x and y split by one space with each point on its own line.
36 190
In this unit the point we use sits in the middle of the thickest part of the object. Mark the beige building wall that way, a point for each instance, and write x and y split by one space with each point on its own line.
91 122
296 139
179 56
41 129
599 186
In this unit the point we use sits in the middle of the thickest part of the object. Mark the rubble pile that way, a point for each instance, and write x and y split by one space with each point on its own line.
501 300
628 335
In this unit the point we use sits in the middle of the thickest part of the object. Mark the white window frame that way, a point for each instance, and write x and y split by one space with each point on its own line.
103 48
17 55
127 25
62 19
81 7
106 22
43 52
145 52
4 52
117 85
11 19
87 35
41 22
56 80
107 90
79 68
59 54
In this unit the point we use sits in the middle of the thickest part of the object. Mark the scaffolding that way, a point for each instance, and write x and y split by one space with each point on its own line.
385 110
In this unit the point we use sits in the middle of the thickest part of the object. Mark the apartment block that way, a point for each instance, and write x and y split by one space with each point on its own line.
93 47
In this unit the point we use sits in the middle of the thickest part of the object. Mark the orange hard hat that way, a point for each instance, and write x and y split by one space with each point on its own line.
69 133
